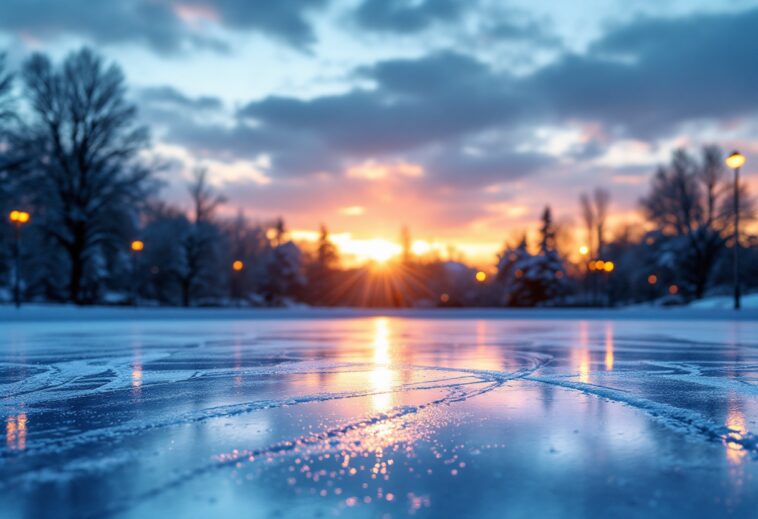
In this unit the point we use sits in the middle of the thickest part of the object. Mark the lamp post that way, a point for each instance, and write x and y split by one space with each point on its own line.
137 246
237 268
18 218
735 161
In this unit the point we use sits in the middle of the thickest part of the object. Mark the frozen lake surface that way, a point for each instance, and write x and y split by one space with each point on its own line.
379 417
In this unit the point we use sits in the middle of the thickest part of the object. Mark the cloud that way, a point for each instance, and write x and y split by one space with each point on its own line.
166 26
171 97
416 102
286 20
650 75
405 16
510 28
468 124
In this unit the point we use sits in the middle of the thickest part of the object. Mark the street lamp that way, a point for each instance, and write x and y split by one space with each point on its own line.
137 246
735 161
18 218
237 267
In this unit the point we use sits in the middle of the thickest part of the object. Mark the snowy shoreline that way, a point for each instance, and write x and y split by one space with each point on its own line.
41 313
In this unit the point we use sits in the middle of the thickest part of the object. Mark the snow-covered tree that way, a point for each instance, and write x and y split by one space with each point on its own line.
198 253
81 145
284 279
690 204
531 280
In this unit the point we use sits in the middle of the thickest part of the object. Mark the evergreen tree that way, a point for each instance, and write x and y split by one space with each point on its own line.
547 232
327 251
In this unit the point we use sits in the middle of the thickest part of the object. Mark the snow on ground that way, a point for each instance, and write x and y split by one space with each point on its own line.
306 413
696 311
748 302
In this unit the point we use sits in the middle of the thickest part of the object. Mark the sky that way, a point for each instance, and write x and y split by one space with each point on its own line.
461 119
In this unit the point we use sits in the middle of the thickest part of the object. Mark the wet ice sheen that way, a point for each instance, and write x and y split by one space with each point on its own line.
379 417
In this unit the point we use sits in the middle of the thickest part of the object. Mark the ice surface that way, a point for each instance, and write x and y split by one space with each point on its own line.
378 417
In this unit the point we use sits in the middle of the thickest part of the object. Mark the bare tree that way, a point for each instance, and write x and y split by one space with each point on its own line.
7 114
204 200
405 243
602 200
6 86
689 202
83 145
588 215
197 243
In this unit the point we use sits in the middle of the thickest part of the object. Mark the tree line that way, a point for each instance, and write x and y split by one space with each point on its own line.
72 154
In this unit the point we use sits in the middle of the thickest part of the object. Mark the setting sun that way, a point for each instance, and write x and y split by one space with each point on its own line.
377 250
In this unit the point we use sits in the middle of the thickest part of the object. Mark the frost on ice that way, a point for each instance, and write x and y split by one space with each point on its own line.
379 417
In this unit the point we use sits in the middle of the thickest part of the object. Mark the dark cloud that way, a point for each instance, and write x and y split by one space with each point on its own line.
642 80
284 19
463 169
525 30
415 103
170 97
164 25
653 74
406 16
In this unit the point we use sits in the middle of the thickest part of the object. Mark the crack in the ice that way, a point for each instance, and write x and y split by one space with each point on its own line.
671 416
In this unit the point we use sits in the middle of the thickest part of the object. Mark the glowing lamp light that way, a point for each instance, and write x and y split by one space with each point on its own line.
444 298
735 160
19 217
673 290
584 250
608 266
238 265
652 279
138 245
481 277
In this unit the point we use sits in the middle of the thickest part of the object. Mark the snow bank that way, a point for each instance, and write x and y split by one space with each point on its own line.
726 302
703 310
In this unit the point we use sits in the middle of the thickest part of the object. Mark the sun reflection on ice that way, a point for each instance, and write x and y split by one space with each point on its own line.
735 421
609 356
382 377
582 356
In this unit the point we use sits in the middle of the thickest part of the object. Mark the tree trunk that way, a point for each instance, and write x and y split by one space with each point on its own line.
76 254
75 279
185 292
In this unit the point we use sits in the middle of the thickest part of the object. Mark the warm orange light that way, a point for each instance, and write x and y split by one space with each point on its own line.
481 277
600 265
609 266
19 217
735 160
584 250
673 290
652 279
444 298
138 245
379 250
237 265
